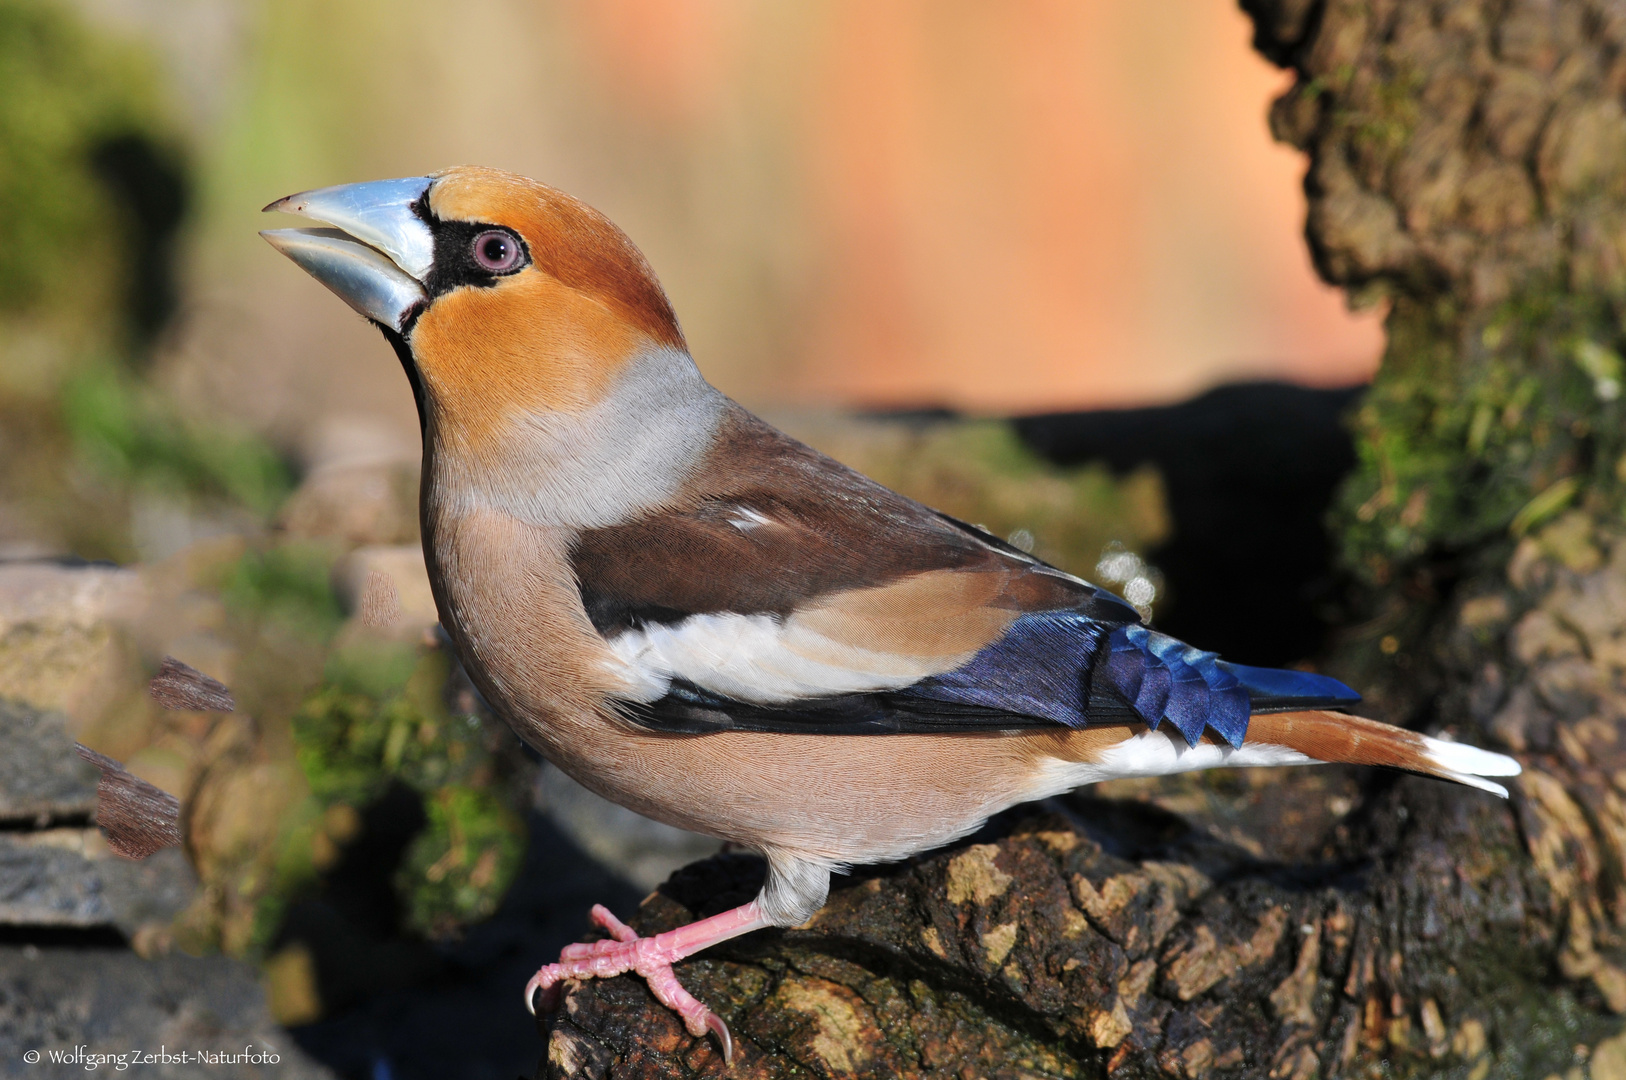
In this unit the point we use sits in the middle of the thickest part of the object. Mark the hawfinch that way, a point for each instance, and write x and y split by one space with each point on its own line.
708 622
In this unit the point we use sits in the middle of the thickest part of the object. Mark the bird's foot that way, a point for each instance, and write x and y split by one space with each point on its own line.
651 957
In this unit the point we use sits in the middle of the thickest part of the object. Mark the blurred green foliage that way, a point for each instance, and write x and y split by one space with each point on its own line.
62 89
982 472
351 743
287 587
85 440
459 867
133 436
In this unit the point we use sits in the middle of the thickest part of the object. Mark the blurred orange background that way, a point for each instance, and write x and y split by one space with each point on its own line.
997 208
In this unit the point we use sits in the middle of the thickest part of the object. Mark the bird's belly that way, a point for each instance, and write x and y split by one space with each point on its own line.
851 799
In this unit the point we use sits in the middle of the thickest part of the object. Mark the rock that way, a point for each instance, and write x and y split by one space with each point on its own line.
69 878
1584 146
19 538
1609 1059
58 645
91 1001
1572 540
372 502
61 872
1570 687
1524 722
360 504
1484 612
49 881
360 485
1539 636
42 780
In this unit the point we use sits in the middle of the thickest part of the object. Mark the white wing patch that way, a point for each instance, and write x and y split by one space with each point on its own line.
763 659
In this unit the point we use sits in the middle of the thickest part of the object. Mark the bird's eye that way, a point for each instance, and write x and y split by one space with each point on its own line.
496 251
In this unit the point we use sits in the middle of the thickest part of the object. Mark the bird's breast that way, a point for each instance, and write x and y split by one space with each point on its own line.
509 601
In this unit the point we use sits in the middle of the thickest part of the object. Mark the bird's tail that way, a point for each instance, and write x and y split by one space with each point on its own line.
1334 737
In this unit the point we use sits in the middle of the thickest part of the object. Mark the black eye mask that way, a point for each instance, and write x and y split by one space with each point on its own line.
456 261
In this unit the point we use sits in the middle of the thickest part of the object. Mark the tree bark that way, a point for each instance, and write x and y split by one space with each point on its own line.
1467 167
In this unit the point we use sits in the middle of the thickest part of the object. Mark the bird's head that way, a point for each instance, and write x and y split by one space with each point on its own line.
502 296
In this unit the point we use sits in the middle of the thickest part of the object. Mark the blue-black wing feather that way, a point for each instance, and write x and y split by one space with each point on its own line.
1049 668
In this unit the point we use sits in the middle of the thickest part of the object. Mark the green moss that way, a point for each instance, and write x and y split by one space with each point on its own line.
458 868
1537 1027
374 722
1485 425
1382 114
351 744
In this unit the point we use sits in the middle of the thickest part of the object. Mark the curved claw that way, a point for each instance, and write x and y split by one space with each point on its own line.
719 1031
651 958
549 991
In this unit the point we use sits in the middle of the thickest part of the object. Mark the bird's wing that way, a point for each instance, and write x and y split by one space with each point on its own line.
788 592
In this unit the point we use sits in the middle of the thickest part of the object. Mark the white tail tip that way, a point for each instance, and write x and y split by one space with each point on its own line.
1469 764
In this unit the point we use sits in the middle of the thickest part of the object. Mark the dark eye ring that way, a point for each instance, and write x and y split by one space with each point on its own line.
496 251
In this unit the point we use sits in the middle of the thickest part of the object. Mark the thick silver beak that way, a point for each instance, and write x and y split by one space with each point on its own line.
360 275
378 251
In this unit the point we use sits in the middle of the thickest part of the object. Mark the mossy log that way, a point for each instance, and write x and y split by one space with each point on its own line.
1468 169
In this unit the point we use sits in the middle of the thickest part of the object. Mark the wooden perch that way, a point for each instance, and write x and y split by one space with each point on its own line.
179 686
137 817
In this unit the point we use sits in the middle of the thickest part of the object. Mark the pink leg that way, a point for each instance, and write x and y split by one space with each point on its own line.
653 959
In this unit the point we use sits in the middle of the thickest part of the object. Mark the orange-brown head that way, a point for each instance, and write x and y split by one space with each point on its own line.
541 348
530 299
